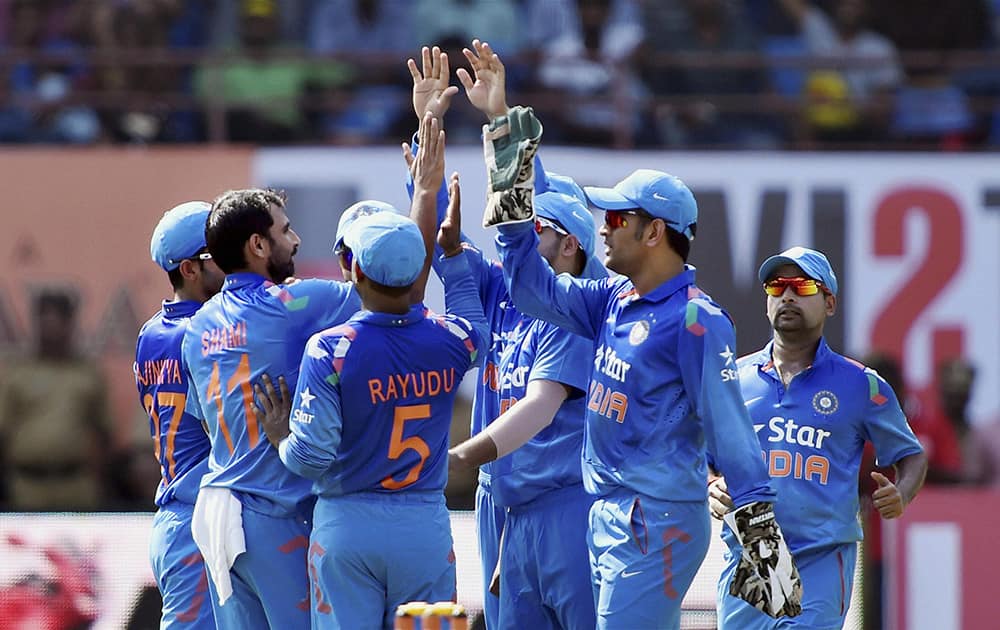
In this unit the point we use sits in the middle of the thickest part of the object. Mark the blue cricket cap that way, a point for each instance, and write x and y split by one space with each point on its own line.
661 195
565 185
180 234
361 209
813 263
570 213
387 247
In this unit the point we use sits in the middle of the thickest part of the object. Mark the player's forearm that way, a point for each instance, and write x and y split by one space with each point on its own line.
478 450
910 473
521 422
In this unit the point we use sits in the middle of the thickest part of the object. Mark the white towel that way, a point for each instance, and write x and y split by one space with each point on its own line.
217 528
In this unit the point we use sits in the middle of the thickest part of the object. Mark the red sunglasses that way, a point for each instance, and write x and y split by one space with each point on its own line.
803 287
541 223
615 219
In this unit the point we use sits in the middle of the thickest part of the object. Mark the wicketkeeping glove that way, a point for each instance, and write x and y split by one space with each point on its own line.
509 144
766 577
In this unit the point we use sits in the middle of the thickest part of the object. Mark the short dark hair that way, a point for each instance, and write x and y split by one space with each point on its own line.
384 289
679 242
176 279
236 216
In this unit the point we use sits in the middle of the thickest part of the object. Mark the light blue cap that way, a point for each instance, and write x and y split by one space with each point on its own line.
658 193
180 234
565 185
361 209
813 263
572 214
387 247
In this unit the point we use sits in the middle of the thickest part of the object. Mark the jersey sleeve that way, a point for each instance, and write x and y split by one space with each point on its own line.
885 424
562 357
463 304
316 422
707 359
574 304
314 305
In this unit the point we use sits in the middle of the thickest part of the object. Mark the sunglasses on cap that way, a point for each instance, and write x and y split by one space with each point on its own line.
345 254
199 256
803 287
541 223
615 219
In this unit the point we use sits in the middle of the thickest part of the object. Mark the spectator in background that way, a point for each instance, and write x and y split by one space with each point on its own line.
493 21
147 27
594 59
376 33
842 101
263 89
38 95
957 455
711 28
54 422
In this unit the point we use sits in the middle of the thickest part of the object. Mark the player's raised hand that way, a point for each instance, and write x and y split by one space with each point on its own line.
272 406
431 92
449 234
427 167
487 86
887 498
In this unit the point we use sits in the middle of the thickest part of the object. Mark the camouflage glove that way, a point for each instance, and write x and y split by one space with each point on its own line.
766 577
509 144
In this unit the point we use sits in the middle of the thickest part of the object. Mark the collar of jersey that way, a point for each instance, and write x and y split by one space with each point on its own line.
415 314
243 279
180 308
671 286
763 358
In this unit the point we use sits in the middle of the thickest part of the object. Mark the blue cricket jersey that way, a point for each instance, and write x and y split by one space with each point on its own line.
254 327
664 389
179 440
373 404
813 433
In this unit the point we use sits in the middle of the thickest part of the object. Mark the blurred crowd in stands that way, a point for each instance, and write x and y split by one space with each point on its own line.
755 74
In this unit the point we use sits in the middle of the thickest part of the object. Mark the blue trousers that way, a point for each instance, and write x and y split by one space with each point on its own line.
270 580
179 570
644 554
371 552
827 579
545 568
489 524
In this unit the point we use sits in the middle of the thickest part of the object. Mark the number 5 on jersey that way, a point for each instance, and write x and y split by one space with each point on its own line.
398 445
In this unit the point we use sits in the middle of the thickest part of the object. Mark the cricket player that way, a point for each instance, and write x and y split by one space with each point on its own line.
253 516
179 440
545 579
370 421
813 411
529 452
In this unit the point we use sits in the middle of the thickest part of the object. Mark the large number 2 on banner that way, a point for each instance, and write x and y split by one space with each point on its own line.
240 379
398 446
176 402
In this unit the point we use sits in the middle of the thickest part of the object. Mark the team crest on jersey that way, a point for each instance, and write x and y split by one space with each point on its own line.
639 332
825 402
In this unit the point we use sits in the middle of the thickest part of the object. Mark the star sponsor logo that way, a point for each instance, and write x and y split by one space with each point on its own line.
825 402
639 332
727 354
306 397
728 373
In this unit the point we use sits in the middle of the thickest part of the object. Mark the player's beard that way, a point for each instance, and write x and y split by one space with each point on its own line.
793 321
279 271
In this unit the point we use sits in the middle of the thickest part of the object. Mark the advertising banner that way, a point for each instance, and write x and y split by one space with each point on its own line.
913 237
